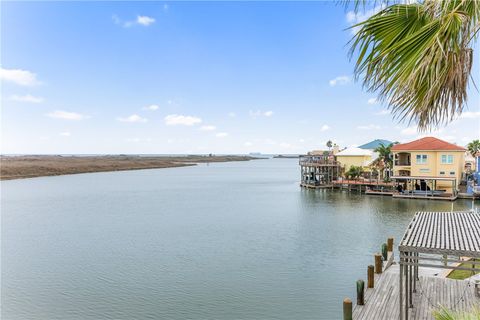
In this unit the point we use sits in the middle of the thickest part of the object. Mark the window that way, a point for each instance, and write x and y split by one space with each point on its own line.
447 159
452 173
442 172
421 158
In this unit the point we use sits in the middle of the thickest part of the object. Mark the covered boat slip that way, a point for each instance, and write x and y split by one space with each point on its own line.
419 187
318 171
437 240
433 243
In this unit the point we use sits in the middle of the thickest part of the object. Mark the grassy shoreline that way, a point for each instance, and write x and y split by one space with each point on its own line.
21 167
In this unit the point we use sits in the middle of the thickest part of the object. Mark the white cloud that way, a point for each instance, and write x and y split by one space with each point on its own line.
145 21
370 127
27 98
340 80
20 77
268 113
470 115
133 118
165 7
259 113
221 135
208 128
360 16
382 112
133 140
141 20
410 131
325 128
176 119
248 144
232 114
152 107
372 101
65 134
60 114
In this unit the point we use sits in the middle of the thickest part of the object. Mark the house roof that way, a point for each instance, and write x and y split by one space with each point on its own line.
427 143
355 151
374 144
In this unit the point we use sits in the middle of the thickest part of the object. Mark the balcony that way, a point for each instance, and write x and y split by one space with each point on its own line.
404 163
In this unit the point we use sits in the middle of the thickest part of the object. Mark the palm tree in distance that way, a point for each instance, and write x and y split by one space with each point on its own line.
329 144
474 147
384 160
418 57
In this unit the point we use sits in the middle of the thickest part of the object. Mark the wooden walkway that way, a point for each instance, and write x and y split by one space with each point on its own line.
382 302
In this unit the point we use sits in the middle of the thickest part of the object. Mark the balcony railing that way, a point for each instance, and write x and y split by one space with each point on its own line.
402 163
318 160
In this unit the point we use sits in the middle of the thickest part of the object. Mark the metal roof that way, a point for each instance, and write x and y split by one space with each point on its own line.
453 233
374 144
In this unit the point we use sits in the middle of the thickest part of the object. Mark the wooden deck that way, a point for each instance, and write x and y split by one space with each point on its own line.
379 192
424 197
382 302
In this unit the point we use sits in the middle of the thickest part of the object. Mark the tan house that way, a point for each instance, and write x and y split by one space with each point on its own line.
430 161
358 157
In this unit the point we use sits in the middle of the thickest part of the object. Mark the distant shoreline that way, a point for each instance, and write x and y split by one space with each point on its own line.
21 167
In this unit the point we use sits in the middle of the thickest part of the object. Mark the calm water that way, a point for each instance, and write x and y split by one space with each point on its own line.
224 241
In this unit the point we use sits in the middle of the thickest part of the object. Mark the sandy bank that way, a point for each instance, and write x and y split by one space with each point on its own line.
18 167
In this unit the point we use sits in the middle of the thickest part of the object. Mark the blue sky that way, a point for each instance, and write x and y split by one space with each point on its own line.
189 77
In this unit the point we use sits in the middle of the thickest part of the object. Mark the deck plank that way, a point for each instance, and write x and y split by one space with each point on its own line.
432 292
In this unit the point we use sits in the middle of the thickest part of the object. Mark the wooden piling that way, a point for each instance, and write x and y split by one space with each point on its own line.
370 277
378 263
347 309
390 244
384 251
360 292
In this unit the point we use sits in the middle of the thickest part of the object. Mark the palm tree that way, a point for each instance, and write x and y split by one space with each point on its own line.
445 314
354 172
474 147
329 144
418 57
384 160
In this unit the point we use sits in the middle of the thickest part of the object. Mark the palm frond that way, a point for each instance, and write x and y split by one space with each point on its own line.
418 58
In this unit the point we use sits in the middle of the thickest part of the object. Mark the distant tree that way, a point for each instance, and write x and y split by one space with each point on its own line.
474 147
354 172
329 144
385 159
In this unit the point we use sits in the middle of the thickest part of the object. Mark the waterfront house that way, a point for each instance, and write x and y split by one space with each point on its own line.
354 156
429 164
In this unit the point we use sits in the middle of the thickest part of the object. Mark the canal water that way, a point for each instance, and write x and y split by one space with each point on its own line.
235 240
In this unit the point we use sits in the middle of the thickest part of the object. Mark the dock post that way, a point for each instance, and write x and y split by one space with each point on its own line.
384 252
360 292
378 263
390 244
370 277
401 287
347 309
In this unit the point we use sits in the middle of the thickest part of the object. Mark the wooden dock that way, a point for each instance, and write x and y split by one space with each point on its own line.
449 197
382 302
